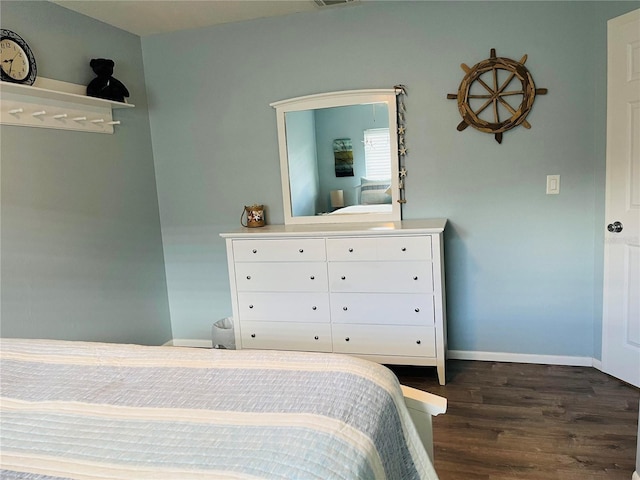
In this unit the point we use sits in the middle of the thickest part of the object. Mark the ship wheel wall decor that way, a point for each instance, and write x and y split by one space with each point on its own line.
485 84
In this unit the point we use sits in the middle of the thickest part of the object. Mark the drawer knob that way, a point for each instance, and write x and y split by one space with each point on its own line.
404 249
312 277
343 277
301 250
316 337
351 250
254 250
417 310
248 277
250 306
314 308
346 339
418 342
253 335
345 308
415 278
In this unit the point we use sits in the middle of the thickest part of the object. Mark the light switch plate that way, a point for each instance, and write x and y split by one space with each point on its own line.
553 184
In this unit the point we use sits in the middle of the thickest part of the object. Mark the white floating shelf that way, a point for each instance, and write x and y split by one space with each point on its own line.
61 105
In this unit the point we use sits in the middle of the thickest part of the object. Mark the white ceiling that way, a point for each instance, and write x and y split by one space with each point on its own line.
148 17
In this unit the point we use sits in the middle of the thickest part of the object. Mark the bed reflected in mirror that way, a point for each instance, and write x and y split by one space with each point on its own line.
338 157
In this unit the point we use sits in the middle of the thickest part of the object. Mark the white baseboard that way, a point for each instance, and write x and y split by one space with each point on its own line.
636 476
189 342
522 358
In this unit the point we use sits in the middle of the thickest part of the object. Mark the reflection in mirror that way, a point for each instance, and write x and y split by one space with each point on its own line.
338 149
338 157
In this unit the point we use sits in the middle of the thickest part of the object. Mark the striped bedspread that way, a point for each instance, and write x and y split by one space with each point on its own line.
77 410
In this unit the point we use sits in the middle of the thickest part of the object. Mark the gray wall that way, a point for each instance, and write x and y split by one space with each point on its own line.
81 245
524 270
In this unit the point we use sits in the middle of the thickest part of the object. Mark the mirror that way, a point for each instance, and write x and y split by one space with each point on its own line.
338 157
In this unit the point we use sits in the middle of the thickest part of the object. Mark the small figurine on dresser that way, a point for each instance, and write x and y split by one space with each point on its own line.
104 85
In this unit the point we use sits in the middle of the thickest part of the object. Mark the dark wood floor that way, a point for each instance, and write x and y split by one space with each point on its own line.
508 421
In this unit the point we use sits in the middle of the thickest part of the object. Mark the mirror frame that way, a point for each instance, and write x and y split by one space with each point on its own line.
329 100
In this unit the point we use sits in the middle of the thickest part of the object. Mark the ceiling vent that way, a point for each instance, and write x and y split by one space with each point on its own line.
330 3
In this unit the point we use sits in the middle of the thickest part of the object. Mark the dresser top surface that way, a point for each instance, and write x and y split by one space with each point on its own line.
404 227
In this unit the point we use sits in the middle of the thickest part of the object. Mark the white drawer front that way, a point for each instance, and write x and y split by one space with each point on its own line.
379 248
382 309
315 337
383 277
283 250
384 340
282 277
284 307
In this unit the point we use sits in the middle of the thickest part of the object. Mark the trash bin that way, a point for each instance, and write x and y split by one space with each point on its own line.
222 334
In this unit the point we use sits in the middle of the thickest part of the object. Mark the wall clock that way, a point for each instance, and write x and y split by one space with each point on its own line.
503 84
18 62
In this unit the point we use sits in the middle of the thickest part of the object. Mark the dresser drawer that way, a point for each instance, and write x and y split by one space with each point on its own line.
379 248
384 340
282 250
382 309
314 337
383 277
281 277
284 307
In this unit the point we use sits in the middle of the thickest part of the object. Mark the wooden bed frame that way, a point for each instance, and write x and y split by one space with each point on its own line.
422 407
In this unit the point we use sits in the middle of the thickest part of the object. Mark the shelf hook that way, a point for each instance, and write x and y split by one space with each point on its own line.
114 122
80 119
16 110
60 115
98 120
39 113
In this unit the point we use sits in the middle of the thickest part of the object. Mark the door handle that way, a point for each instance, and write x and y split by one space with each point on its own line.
615 227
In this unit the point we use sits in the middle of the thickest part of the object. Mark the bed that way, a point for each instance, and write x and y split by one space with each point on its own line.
79 410
358 209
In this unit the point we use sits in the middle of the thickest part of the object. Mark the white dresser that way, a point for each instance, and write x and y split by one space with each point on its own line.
373 290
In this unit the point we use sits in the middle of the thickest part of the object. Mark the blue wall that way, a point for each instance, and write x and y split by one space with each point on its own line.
303 163
81 248
524 269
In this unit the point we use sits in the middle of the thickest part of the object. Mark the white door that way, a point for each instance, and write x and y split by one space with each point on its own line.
621 313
